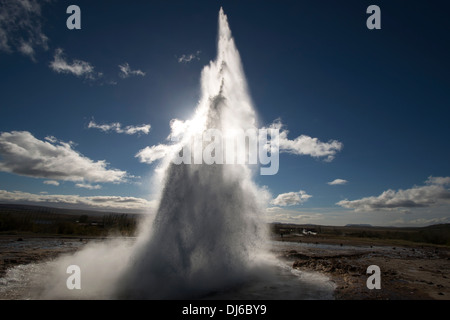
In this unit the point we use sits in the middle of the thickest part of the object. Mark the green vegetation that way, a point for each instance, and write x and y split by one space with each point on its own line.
42 220
435 234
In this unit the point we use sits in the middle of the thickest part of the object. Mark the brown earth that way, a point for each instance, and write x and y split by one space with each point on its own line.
407 272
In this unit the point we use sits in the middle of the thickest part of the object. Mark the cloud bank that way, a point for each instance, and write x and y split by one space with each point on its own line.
21 153
115 203
433 194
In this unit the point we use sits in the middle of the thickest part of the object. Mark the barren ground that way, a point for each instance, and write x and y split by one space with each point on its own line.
408 272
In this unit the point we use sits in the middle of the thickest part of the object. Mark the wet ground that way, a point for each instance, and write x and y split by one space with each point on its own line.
406 272
26 261
22 250
321 270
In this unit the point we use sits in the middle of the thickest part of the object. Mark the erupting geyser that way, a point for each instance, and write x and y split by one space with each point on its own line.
207 233
207 237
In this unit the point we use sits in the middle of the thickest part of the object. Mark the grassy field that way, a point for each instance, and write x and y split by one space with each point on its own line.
435 234
18 219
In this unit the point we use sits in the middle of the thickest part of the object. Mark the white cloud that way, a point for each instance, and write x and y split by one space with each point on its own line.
431 195
337 182
116 203
290 198
21 27
438 180
157 152
27 49
51 182
189 57
153 153
51 139
282 215
305 145
178 128
88 186
78 68
117 127
145 128
126 72
21 153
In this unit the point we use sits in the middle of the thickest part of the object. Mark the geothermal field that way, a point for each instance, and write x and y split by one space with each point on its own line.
230 205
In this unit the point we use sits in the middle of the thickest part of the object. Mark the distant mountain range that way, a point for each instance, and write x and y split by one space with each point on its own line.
358 225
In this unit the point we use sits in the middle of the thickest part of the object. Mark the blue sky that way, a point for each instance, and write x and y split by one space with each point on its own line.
76 106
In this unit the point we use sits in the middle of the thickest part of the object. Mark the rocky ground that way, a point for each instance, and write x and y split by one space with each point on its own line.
407 272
